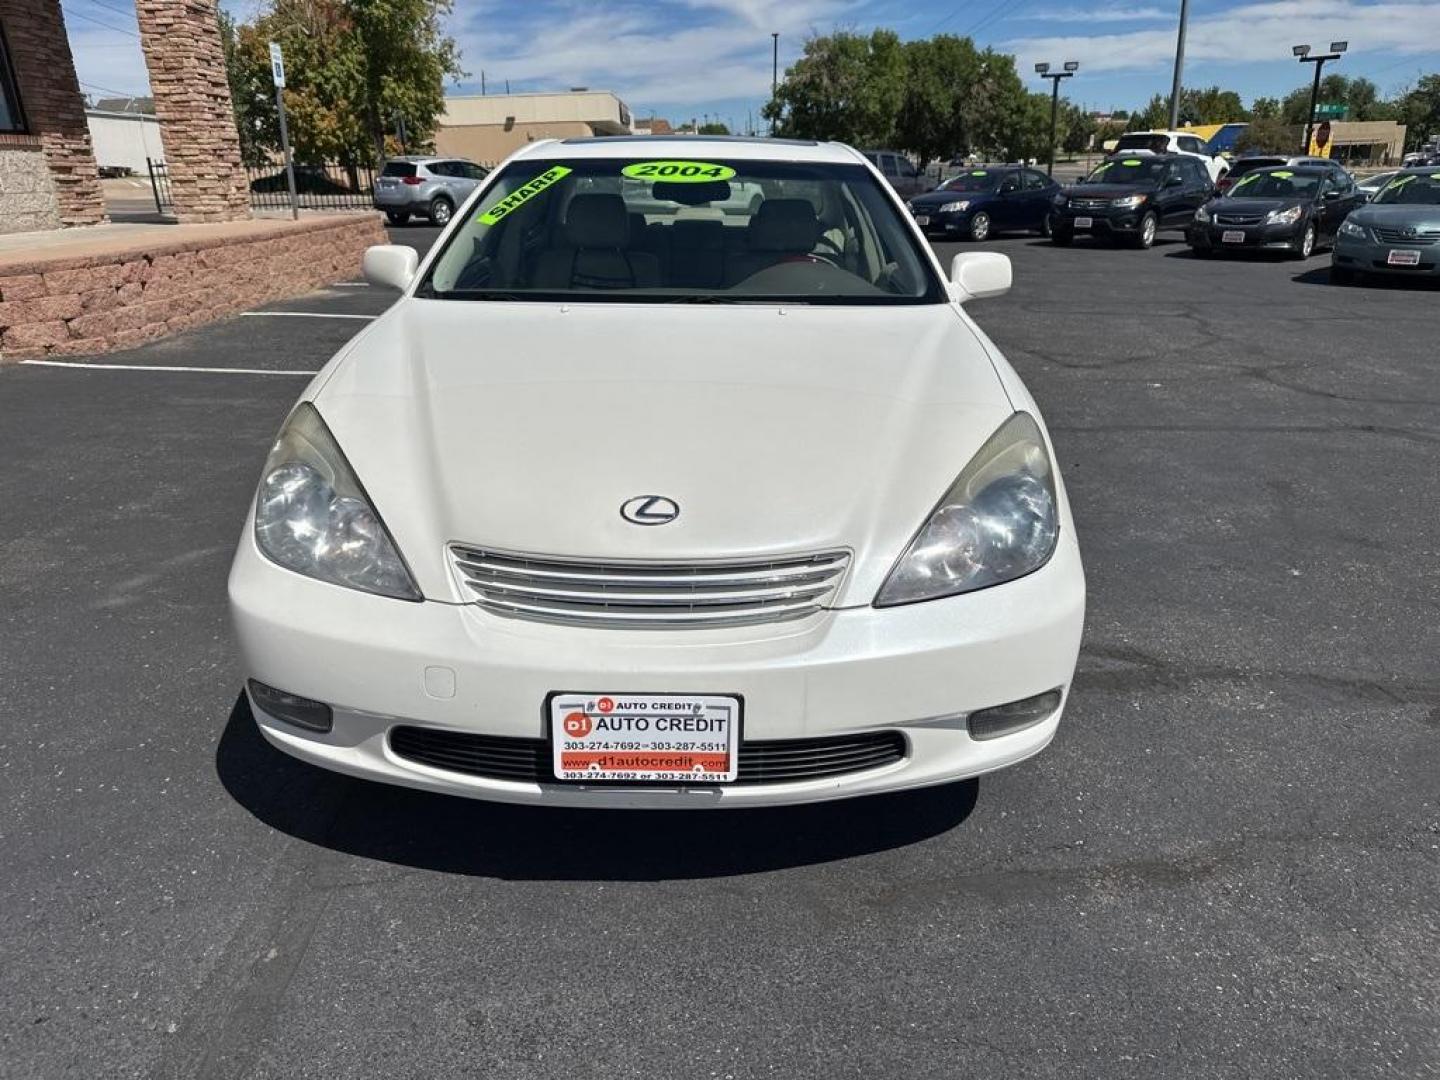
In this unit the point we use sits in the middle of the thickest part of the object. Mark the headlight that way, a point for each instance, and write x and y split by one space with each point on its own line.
1061 199
955 207
998 521
1202 215
1349 228
313 517
1284 217
1127 202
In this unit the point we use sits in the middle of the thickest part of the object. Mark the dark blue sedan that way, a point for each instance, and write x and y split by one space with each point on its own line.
986 199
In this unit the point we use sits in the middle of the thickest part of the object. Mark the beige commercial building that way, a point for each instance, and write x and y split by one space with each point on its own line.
487 127
1367 142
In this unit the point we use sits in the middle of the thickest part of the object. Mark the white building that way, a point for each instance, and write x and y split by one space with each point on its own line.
123 140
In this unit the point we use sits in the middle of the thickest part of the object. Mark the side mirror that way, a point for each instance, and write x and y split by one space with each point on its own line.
392 265
1175 181
1331 196
979 275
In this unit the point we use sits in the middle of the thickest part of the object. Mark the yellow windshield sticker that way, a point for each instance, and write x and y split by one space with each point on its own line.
678 172
1246 180
1283 175
978 172
1102 168
523 194
1132 162
1399 182
1435 176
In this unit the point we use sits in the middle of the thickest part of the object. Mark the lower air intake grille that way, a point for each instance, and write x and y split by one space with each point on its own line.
771 761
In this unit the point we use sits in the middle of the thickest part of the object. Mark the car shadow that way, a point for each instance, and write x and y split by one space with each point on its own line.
457 835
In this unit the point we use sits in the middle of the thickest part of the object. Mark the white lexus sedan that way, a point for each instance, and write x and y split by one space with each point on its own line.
632 502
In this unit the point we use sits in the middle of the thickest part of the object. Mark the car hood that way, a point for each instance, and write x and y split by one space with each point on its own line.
1251 207
1396 216
932 199
525 426
1107 191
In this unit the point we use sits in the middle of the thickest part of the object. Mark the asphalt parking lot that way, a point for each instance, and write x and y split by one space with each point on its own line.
1226 865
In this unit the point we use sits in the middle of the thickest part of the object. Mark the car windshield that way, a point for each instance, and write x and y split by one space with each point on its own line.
1127 171
972 180
1250 165
715 230
1276 184
1412 189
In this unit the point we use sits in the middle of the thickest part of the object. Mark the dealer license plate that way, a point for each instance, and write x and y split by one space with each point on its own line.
922 220
1403 258
1084 222
622 737
1232 236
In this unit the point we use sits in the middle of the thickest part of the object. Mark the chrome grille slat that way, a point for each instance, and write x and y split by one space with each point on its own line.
1419 238
657 594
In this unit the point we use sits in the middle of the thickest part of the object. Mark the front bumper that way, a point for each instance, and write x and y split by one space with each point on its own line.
1369 256
919 670
955 221
1208 236
1104 222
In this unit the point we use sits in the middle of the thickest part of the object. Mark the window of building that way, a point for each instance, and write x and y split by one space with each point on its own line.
12 119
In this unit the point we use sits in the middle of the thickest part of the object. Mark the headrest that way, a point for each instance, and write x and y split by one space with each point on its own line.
784 225
597 221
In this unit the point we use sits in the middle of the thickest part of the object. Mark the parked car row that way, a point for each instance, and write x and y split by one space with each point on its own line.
1292 205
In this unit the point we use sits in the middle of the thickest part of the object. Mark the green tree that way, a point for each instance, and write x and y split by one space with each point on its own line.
1155 116
1269 136
1212 106
846 86
353 69
1359 96
1265 108
957 98
1077 128
1419 110
714 127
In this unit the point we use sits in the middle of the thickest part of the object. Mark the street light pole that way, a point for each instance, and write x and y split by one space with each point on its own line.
1179 66
774 74
1071 66
1302 52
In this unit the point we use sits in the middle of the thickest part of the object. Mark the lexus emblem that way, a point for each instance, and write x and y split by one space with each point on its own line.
649 510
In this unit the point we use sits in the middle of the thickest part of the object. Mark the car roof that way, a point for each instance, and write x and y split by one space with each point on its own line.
686 147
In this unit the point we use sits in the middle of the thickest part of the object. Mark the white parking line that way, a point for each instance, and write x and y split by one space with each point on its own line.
163 367
310 315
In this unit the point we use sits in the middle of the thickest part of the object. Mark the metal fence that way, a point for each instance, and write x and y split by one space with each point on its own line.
325 186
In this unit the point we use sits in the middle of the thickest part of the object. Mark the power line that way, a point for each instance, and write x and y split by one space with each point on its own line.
110 90
98 22
128 13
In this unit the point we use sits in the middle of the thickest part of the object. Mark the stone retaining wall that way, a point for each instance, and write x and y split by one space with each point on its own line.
88 304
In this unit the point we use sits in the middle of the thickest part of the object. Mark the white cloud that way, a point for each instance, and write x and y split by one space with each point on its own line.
1256 32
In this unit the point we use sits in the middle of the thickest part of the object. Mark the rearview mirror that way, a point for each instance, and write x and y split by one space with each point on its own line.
392 265
979 275
1331 196
1175 181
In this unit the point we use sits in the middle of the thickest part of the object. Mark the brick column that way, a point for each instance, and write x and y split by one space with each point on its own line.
186 59
54 107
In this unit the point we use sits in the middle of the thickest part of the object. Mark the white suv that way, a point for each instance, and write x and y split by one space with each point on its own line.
1172 142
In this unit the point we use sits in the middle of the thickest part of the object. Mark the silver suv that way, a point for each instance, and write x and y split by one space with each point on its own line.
427 186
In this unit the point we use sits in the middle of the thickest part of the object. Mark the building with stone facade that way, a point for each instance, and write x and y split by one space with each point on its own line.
48 174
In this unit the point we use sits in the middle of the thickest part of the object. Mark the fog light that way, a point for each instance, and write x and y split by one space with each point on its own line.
292 708
1013 717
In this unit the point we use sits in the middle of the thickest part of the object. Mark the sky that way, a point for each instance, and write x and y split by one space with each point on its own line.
684 59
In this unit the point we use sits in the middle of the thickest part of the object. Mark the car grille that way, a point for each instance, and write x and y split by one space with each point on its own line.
1089 204
1239 219
1419 238
644 595
768 761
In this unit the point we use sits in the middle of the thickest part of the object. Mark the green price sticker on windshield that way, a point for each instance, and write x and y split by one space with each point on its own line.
1132 162
1245 180
1282 175
523 194
1399 182
978 172
1435 176
678 172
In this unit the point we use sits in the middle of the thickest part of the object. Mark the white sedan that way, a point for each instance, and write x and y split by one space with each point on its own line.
625 509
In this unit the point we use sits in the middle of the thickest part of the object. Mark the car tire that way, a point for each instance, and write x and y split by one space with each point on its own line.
1306 246
1047 226
441 210
980 226
1061 237
1145 234
397 217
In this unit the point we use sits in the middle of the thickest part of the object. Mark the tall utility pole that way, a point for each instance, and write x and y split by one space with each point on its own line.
774 74
1302 52
1179 66
1070 67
